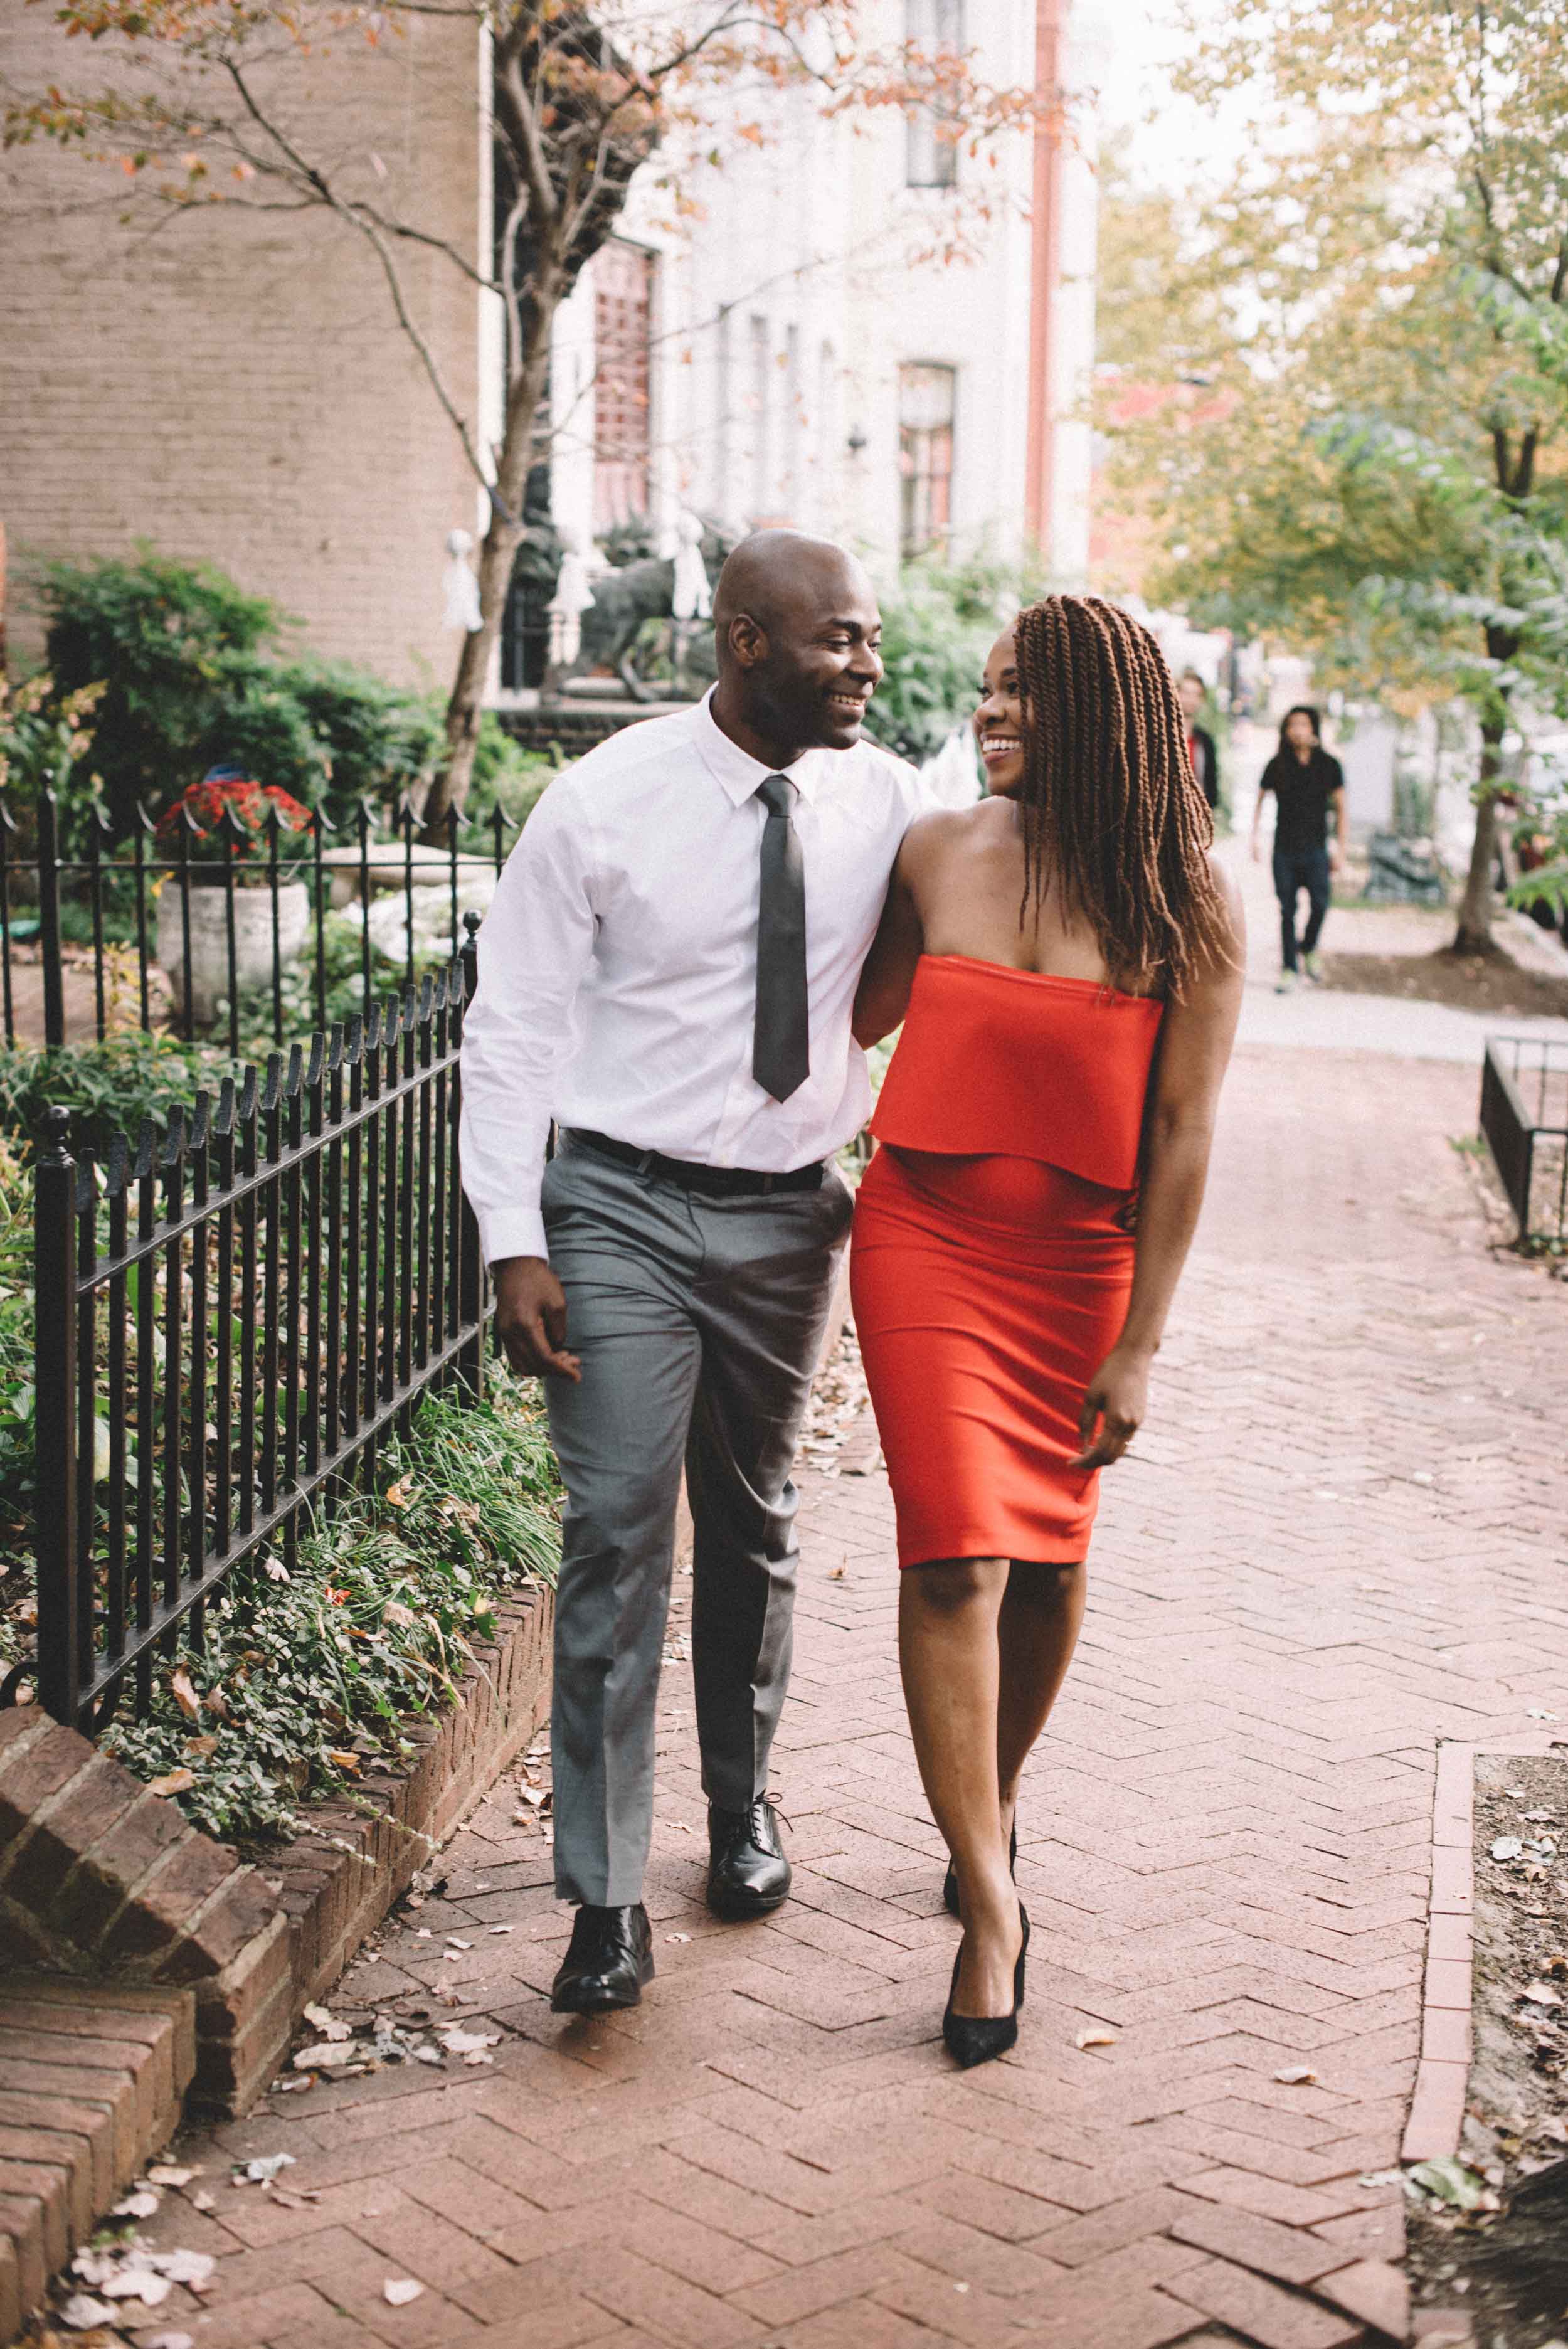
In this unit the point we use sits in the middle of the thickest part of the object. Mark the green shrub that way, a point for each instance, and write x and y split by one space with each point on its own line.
110 1087
192 673
939 623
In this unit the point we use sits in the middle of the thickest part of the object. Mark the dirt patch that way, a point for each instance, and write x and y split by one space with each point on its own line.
1508 2265
1490 983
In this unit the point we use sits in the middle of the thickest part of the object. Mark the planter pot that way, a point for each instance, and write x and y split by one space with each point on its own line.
209 940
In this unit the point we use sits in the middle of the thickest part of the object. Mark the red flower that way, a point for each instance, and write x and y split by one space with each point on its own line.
251 803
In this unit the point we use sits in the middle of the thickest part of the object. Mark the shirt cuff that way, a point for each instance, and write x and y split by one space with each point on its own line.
513 1231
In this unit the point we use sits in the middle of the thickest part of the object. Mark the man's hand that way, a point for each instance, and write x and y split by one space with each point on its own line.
1257 850
531 1318
1335 858
1114 1404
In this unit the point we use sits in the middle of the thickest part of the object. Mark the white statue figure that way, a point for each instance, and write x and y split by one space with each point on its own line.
459 587
692 596
573 594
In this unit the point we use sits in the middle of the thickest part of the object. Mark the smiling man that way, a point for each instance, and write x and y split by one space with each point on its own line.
668 968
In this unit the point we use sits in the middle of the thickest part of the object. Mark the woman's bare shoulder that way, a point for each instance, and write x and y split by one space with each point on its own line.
940 833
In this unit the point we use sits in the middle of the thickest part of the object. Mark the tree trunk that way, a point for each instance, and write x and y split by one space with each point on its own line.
1474 933
497 551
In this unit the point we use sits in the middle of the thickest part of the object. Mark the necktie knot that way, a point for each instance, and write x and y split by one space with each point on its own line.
776 794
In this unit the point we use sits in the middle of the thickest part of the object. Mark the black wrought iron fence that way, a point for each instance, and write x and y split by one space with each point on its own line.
1524 1118
228 1321
223 930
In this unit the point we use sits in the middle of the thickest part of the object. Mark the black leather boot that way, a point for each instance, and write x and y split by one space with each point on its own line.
610 1958
748 1874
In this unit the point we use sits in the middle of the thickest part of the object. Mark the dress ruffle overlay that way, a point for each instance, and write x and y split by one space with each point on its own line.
992 1259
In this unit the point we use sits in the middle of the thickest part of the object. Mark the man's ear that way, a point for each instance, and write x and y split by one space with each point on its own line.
747 641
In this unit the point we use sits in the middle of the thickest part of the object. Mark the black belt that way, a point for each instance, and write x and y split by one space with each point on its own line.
717 1182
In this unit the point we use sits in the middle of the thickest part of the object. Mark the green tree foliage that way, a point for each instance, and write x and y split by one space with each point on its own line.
1374 468
192 671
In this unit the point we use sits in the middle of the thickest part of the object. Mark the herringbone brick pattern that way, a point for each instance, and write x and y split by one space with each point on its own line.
1335 1547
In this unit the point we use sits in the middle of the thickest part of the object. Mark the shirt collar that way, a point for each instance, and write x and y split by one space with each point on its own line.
735 772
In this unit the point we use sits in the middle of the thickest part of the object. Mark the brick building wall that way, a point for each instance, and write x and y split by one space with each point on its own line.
238 388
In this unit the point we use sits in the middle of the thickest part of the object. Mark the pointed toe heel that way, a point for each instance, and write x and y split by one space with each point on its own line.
971 2039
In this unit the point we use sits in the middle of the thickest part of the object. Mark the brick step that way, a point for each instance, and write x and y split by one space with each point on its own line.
91 2081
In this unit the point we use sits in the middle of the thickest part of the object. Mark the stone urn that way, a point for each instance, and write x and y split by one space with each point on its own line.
209 940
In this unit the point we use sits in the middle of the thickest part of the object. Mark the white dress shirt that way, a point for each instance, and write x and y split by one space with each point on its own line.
618 962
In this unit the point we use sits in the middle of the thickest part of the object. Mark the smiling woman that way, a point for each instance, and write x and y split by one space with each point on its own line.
1067 968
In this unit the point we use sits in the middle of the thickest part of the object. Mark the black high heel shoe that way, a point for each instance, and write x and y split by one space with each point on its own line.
971 2039
950 1901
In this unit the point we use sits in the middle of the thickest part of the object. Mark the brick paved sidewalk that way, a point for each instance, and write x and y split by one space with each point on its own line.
1336 1545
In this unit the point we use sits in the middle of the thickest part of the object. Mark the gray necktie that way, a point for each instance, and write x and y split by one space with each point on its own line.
781 1039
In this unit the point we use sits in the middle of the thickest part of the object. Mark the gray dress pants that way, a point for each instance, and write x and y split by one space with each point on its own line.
698 1321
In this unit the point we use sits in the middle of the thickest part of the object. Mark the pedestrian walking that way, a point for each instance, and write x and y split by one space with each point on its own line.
1308 786
1201 745
1063 958
669 969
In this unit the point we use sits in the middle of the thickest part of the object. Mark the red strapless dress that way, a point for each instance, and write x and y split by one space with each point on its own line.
992 1262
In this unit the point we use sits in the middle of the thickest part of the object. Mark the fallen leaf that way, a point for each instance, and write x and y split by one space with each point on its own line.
1556 2129
173 1782
137 2284
1096 2037
677 1937
136 2206
266 2168
1451 2181
192 2268
465 2043
80 2312
330 2027
396 1612
160 2174
202 2201
217 1703
398 2291
184 1695
499 1928
398 1496
1539 1994
455 1941
341 1759
202 1746
835 1574
166 2341
327 2054
1506 1848
1297 2076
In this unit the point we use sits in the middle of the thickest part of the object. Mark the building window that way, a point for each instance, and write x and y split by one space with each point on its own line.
926 397
622 422
760 399
930 159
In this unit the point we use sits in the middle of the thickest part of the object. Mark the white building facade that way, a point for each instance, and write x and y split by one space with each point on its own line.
802 353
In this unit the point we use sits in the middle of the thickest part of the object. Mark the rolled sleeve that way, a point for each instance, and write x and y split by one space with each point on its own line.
534 946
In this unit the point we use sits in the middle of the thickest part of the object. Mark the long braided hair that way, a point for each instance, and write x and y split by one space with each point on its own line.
1111 813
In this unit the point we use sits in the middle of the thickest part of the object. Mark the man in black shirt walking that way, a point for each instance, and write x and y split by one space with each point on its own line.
1307 783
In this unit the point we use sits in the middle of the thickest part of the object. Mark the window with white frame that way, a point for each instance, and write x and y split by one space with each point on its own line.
931 151
927 398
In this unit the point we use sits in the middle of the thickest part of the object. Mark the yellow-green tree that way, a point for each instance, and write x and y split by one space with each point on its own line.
1376 468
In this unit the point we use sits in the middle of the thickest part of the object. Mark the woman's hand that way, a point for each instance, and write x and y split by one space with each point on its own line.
1114 1404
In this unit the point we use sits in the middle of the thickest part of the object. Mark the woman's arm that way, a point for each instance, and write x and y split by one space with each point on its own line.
883 996
1194 1047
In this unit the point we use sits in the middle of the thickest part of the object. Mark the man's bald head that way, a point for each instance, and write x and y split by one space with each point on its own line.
796 626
